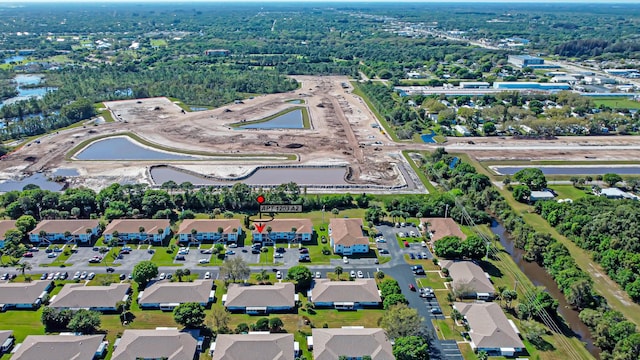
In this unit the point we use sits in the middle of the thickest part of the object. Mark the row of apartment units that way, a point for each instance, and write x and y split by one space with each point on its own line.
347 236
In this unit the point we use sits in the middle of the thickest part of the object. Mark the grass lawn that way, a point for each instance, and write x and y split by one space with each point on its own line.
162 257
617 103
448 330
570 192
467 352
22 322
158 42
432 280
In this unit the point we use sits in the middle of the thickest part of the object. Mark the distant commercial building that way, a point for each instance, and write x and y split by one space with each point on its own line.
598 80
474 85
514 85
541 195
217 52
524 60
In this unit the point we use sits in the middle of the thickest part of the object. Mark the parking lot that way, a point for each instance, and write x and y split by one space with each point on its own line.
135 256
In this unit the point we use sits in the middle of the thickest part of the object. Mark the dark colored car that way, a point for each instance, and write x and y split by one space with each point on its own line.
123 276
110 269
255 251
281 250
411 287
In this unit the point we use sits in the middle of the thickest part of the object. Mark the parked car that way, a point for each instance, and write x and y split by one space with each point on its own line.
180 258
42 277
318 275
304 251
28 255
230 252
412 256
424 255
91 276
232 245
352 274
406 244
412 287
50 276
124 252
56 276
57 249
255 251
304 258
48 250
207 275
436 311
203 261
206 251
169 276
110 270
279 275
423 244
64 276
345 259
122 277
34 249
383 251
381 240
52 255
162 276
278 255
5 276
76 276
83 275
360 274
281 250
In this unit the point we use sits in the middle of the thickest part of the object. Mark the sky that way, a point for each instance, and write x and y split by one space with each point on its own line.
16 2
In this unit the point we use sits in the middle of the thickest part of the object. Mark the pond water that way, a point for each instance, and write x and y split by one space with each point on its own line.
16 58
264 176
197 108
428 138
540 277
36 179
296 101
28 93
124 148
573 170
290 120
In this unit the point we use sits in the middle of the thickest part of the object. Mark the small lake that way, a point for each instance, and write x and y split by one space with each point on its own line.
296 101
30 92
16 58
124 148
290 120
197 108
263 176
65 172
573 170
35 179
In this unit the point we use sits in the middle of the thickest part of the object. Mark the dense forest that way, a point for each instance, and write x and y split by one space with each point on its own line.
606 227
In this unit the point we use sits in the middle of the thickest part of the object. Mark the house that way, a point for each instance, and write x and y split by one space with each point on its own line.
345 295
330 344
61 347
23 295
215 230
469 279
161 343
474 85
462 130
490 330
166 295
524 60
97 298
347 236
6 341
263 346
5 225
217 52
438 228
48 231
290 230
155 230
541 195
260 299
615 193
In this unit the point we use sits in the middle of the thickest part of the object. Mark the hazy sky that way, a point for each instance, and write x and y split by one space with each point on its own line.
16 2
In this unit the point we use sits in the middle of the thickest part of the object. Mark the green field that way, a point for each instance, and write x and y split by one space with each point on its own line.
617 103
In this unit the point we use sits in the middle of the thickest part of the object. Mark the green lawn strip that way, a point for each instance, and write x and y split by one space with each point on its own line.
440 139
570 192
448 330
432 280
499 163
421 175
104 279
616 103
303 109
22 322
385 125
104 112
69 155
163 256
467 352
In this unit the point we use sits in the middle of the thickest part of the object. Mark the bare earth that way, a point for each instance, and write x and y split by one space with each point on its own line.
341 133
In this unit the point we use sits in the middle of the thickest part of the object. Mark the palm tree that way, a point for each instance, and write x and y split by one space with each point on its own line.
264 276
216 212
194 232
179 274
335 212
338 270
23 266
43 234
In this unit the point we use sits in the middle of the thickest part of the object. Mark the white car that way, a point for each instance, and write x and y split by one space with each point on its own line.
345 259
318 275
279 275
83 275
401 234
424 244
76 276
203 261
278 256
352 274
207 275
162 276
360 274
232 245
412 233
91 276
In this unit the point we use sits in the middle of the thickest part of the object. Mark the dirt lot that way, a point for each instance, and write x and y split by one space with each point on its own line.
341 133
339 123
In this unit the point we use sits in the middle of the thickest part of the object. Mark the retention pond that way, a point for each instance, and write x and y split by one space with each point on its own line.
290 120
540 277
573 170
262 176
123 148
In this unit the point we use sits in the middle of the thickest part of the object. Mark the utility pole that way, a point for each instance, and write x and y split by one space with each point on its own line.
446 210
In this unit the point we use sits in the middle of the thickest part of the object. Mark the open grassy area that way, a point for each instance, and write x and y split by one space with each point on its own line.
102 111
305 118
158 42
448 330
432 280
617 103
571 192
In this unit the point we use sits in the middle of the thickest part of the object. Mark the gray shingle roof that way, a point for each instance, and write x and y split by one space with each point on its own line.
490 327
79 296
254 346
22 293
330 344
278 294
466 272
359 290
162 292
155 344
58 347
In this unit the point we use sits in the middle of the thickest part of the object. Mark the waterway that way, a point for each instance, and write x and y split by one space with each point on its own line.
573 170
290 120
540 277
123 148
263 176
35 179
29 92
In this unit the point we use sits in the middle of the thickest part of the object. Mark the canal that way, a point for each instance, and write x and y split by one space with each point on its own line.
540 277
